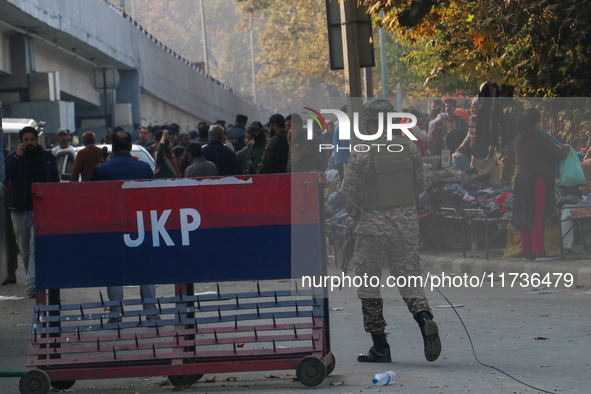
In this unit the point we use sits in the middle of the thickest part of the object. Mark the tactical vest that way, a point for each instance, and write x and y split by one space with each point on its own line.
391 180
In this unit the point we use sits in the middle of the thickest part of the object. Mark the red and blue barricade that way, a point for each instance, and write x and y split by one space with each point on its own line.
182 232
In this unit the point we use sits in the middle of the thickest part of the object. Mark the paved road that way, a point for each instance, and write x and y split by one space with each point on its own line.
503 323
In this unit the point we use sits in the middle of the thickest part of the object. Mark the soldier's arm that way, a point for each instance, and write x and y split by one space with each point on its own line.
357 169
417 161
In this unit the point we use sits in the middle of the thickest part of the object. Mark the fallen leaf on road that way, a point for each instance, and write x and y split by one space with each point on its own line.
11 298
540 338
212 380
231 379
272 377
240 345
336 383
162 383
180 387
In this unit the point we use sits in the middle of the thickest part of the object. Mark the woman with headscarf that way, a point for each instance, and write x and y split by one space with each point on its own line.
534 199
166 166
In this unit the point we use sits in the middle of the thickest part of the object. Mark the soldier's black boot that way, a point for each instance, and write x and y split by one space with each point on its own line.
379 352
430 335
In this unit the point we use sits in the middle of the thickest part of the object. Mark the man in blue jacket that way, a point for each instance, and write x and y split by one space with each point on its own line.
28 164
124 167
237 131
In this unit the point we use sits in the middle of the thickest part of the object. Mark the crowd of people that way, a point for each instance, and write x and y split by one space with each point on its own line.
380 191
211 150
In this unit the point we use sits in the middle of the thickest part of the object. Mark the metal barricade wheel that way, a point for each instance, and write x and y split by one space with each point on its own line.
330 367
34 382
63 385
184 380
311 371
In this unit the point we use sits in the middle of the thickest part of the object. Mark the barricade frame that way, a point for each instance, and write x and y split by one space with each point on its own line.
49 364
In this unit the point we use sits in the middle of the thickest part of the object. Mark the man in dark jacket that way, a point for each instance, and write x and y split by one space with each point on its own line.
219 154
277 150
28 164
203 131
236 132
123 167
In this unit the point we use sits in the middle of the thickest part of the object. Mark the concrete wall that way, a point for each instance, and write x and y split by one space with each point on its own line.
22 62
97 31
57 114
4 55
75 76
157 112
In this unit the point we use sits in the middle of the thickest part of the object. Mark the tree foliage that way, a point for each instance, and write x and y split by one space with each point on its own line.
177 23
540 47
410 64
294 55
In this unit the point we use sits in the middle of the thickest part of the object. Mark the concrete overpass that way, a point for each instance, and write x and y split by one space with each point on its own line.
52 51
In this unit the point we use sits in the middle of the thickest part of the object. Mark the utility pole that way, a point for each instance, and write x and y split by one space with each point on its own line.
3 223
254 79
133 9
398 89
204 37
351 48
383 60
368 79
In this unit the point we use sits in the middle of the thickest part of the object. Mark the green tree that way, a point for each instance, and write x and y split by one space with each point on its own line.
540 47
294 55
410 63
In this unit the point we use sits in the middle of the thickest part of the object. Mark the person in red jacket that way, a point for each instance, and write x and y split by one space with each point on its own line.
534 199
88 158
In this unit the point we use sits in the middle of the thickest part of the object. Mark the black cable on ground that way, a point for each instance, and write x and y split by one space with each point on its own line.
442 295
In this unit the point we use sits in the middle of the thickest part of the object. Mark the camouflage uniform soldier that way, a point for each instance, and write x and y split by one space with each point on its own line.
385 185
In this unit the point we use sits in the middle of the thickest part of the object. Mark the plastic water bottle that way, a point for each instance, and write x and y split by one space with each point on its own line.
384 378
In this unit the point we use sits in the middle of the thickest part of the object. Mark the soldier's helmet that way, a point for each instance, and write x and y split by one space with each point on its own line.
373 108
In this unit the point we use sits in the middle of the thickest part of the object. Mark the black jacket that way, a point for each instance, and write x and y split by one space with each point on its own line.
223 157
276 156
17 171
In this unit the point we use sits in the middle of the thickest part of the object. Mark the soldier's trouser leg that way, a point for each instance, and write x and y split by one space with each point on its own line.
369 258
401 265
404 261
